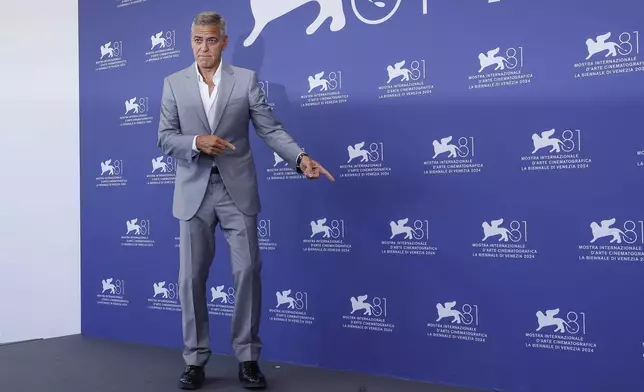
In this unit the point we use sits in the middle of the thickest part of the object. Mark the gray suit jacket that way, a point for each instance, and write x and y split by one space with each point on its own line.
240 101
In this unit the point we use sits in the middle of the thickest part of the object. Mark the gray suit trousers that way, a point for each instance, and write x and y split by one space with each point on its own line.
197 250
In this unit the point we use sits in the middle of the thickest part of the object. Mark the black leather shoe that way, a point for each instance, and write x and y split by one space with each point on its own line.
192 378
250 375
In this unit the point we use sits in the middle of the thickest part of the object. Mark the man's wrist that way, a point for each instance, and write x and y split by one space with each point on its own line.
300 156
298 160
194 144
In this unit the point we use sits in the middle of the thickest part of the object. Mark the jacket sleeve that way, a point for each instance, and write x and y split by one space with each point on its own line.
268 127
170 139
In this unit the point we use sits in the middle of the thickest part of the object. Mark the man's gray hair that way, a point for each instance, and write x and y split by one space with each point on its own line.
209 18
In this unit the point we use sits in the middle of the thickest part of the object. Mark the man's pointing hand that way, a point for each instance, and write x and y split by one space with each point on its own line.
212 145
312 169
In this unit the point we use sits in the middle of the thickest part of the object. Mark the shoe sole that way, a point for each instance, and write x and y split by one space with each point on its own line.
254 386
189 387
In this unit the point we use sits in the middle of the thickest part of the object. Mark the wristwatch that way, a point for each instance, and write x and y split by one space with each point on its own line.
299 160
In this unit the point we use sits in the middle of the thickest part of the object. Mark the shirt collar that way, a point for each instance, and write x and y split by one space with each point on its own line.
216 77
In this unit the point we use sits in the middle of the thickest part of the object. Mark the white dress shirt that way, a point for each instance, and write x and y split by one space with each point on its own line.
209 100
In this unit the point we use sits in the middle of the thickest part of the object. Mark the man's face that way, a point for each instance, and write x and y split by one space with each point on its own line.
207 45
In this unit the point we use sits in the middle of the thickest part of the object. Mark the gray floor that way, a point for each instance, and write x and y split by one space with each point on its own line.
80 364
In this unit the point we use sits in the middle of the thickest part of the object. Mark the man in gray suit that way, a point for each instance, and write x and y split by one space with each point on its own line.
204 124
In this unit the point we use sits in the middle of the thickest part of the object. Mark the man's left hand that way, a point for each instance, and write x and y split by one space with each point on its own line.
313 169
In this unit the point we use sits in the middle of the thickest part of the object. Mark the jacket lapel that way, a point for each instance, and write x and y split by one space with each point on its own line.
195 96
225 89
